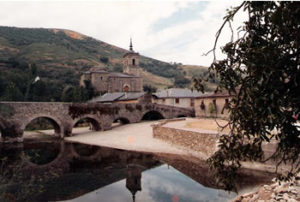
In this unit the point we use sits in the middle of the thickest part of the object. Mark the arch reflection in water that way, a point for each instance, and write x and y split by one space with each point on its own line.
105 174
42 125
42 153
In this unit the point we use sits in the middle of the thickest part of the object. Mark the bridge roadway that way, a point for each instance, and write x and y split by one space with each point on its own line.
15 116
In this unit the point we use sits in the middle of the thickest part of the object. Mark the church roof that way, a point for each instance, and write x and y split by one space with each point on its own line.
118 96
131 96
112 74
96 71
107 97
123 75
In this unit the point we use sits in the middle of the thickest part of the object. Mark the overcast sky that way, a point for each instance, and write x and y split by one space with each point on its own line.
172 31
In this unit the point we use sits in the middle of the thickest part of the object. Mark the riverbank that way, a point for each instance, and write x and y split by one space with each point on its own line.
134 137
139 136
278 191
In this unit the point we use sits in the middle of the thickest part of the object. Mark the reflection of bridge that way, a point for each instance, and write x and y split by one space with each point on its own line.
77 169
14 116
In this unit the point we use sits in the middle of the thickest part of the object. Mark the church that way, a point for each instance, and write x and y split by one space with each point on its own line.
110 82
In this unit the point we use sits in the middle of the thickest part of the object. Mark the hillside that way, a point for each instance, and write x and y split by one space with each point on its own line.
191 71
56 49
61 56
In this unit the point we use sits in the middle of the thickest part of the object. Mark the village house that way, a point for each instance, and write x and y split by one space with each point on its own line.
212 105
179 97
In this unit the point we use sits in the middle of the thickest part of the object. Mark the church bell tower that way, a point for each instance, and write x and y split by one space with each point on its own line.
131 61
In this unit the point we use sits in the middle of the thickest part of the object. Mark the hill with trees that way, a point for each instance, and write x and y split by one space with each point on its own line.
60 56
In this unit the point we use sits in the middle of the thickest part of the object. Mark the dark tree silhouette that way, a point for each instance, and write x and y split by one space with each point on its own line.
264 65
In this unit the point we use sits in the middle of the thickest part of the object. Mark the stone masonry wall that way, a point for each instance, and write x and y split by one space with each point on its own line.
14 116
201 142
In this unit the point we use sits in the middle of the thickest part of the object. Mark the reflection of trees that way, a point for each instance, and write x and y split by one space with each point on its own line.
199 171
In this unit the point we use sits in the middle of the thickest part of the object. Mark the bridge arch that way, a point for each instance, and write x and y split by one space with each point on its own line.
121 120
56 123
94 121
152 115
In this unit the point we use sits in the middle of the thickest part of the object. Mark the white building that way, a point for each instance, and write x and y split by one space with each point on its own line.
178 97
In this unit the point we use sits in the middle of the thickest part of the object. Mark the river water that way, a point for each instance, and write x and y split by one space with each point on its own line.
61 171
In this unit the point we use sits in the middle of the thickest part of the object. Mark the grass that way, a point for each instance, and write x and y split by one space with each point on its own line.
155 80
208 124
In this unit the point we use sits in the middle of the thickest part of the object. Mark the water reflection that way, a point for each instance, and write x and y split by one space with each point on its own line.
56 171
42 153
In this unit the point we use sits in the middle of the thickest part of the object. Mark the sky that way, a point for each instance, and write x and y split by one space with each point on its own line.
171 31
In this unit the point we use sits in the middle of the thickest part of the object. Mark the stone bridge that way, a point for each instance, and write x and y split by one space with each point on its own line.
15 116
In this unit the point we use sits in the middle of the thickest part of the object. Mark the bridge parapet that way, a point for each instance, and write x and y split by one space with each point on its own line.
15 116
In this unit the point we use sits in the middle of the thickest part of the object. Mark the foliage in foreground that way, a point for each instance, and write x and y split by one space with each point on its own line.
264 65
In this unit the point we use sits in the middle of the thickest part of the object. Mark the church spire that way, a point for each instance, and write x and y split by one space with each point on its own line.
130 46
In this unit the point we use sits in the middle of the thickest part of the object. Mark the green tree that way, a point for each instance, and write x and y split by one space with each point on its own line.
67 94
90 91
118 68
149 88
12 93
181 81
264 65
104 59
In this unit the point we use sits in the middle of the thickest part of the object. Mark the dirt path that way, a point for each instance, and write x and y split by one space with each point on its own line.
136 137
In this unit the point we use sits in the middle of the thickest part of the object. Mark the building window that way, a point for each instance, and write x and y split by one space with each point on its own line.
163 100
202 106
215 105
133 61
192 102
126 88
177 100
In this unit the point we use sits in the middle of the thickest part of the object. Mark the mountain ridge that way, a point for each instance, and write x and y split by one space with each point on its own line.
62 48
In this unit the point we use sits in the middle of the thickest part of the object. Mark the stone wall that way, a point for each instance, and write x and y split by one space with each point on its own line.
99 81
131 63
14 116
204 143
117 84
